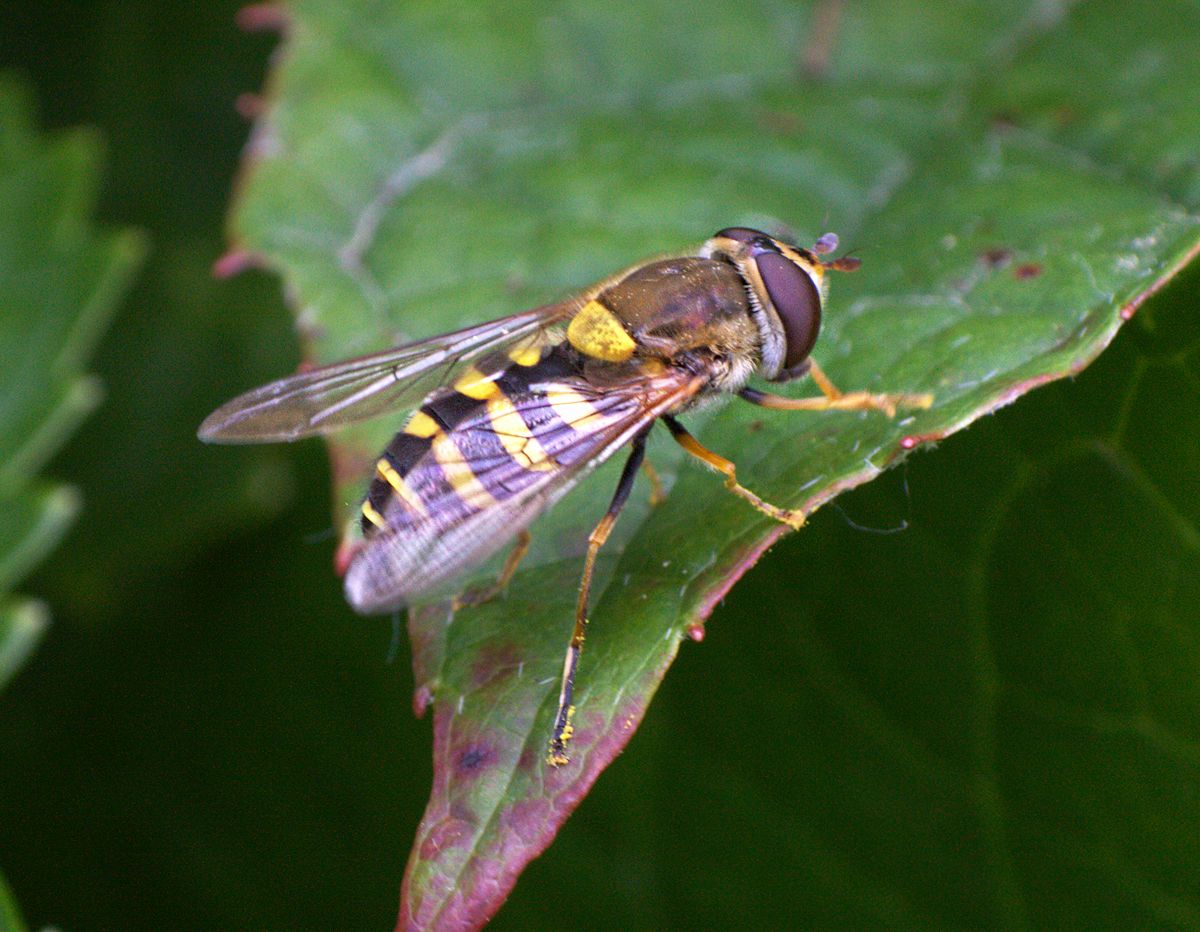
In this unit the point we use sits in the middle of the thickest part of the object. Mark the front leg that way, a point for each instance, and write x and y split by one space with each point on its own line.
834 399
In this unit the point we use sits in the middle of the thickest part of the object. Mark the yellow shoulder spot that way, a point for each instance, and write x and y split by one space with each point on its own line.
474 384
595 331
421 425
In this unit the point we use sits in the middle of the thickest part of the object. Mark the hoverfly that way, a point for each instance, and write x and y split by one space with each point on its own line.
510 414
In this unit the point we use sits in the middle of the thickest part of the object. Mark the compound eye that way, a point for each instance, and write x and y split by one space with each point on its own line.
741 234
798 304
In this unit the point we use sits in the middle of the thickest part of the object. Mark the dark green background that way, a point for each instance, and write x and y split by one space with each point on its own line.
208 737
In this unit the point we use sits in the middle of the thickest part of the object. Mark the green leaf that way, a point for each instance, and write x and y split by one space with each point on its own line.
1016 177
10 916
59 283
21 626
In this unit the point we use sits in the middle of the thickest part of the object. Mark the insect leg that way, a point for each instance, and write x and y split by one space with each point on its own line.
658 494
834 399
563 728
487 593
792 518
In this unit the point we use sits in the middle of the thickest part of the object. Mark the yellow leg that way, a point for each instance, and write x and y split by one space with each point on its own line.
658 494
563 725
487 593
792 518
834 399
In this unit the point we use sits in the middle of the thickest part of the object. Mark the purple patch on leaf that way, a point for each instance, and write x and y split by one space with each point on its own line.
474 758
494 665
530 757
527 820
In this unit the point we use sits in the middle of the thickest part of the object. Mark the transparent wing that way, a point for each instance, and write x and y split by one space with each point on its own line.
418 552
323 400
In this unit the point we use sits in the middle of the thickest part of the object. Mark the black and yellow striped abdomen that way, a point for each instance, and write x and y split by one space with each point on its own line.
479 442
475 464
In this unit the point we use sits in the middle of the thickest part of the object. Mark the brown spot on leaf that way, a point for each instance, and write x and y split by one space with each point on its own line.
530 755
779 123
1005 120
817 54
996 256
1027 270
496 663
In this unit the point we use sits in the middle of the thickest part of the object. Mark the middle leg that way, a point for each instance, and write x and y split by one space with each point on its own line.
793 518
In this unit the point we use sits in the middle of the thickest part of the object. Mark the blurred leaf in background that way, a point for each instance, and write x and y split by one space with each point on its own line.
10 916
909 730
60 282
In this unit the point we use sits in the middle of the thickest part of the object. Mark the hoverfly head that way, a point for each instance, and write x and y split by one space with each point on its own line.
786 285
